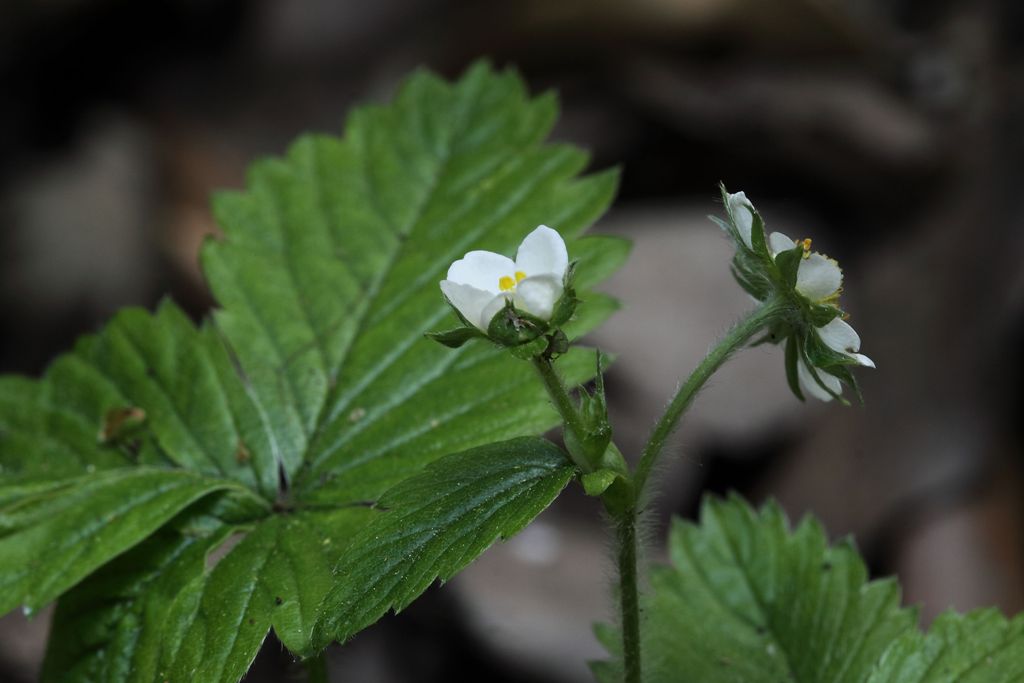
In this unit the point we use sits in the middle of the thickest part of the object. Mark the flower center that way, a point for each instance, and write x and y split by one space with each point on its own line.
506 283
806 244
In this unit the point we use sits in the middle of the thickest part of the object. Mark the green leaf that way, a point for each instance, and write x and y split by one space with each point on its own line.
436 523
748 599
309 393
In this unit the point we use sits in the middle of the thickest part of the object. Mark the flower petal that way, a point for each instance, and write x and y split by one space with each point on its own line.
863 360
742 213
777 243
543 252
482 269
537 295
839 336
818 277
491 309
811 386
469 300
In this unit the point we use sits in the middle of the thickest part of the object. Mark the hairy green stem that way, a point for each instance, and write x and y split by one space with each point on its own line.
737 337
316 668
563 403
629 594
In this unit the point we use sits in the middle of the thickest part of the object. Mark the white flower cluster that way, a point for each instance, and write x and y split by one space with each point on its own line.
819 280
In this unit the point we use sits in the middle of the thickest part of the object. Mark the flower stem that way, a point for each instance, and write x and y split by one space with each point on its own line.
737 337
316 668
563 404
629 595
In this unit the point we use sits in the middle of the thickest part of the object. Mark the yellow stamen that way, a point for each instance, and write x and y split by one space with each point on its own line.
806 244
506 283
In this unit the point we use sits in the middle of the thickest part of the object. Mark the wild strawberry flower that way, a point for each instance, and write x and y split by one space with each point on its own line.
818 282
482 283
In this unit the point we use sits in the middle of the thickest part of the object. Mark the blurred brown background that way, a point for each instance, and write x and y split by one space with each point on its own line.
890 131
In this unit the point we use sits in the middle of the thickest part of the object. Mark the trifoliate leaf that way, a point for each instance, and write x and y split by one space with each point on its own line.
310 393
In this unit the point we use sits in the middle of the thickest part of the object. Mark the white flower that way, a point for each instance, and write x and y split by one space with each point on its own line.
818 279
742 212
479 284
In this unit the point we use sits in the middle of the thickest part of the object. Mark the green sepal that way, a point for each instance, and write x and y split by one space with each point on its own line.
847 378
619 497
820 355
565 307
593 445
792 377
724 225
788 263
597 482
512 327
758 241
820 315
613 487
558 344
590 447
530 349
455 338
730 225
752 283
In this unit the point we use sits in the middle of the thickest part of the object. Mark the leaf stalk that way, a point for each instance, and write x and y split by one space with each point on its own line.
316 668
